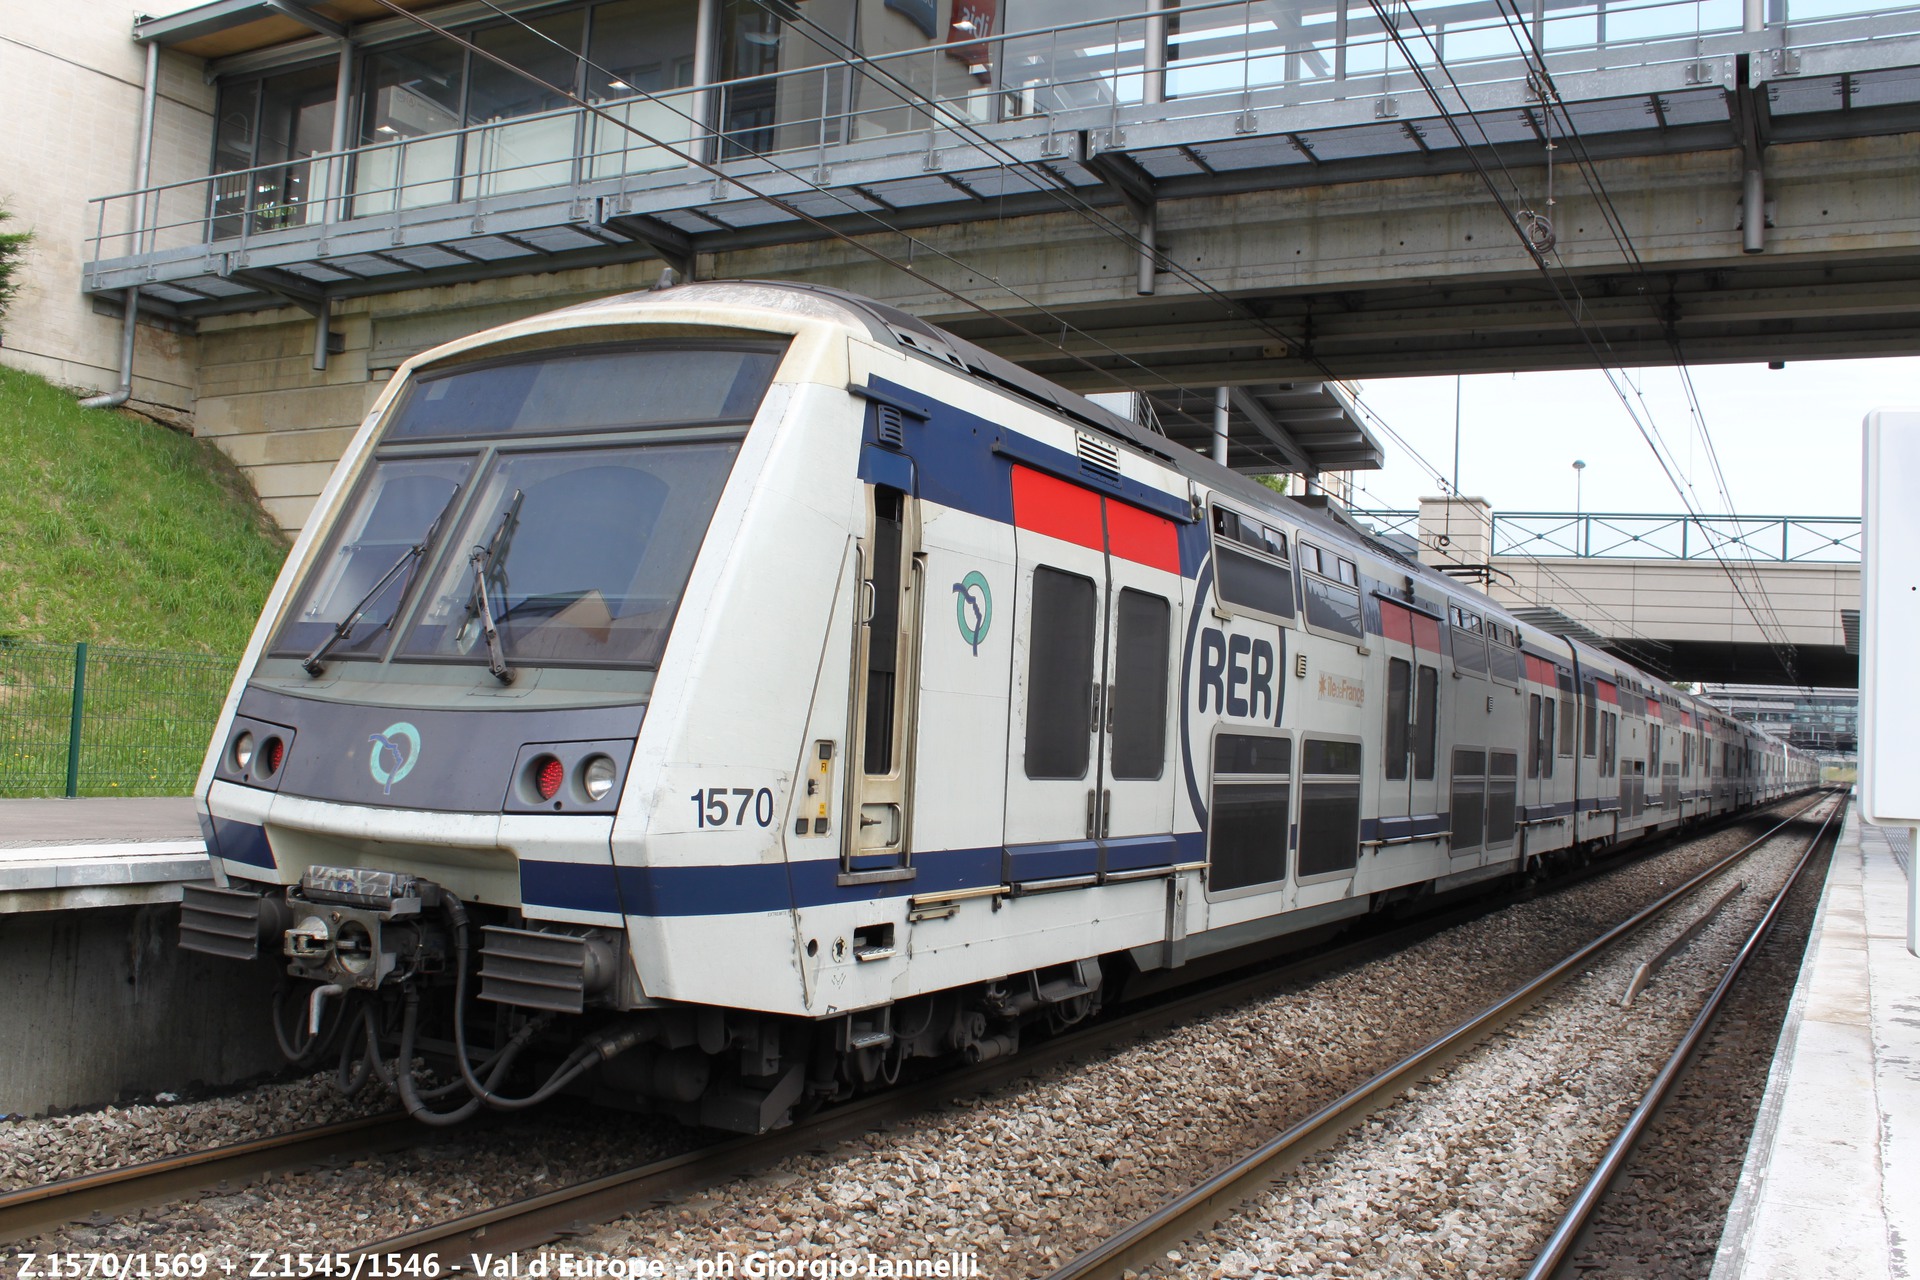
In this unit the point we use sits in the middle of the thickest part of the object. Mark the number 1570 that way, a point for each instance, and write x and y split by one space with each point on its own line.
714 806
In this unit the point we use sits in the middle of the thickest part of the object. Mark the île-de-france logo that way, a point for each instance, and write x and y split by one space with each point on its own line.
395 748
973 608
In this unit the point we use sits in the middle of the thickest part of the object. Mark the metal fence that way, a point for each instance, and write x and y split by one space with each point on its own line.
1612 535
81 720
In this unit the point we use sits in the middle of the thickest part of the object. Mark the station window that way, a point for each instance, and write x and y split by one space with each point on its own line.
1252 798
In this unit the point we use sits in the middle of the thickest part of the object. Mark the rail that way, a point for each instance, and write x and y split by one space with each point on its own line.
1225 60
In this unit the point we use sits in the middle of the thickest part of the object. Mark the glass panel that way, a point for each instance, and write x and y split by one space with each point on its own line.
1427 708
1329 826
643 46
1052 71
778 112
1253 583
883 630
1469 800
592 548
1333 607
1228 50
593 390
1503 764
1546 738
409 93
1248 753
236 118
1591 722
1505 662
1502 817
1566 724
1533 735
1469 761
1249 836
398 503
537 152
1469 652
1142 644
1399 701
1339 758
1060 675
885 97
296 122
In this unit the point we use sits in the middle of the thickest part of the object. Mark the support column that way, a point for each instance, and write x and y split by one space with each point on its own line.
1753 211
706 43
143 174
1220 425
334 209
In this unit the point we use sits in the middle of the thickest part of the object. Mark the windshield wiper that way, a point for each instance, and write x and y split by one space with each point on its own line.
312 663
482 559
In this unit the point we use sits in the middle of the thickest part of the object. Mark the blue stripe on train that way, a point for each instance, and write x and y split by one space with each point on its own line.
759 887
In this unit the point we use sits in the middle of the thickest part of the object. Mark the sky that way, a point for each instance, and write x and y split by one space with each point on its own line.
1788 439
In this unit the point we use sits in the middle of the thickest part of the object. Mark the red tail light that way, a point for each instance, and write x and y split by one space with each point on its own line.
273 754
547 778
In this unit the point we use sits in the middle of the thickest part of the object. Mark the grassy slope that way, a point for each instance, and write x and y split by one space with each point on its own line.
123 532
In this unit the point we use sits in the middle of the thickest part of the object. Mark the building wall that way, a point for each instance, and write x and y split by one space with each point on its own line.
71 80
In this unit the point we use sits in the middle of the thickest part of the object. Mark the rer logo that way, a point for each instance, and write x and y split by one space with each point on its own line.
1237 676
395 748
973 608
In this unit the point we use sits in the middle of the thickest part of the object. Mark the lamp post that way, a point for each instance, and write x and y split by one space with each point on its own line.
1578 468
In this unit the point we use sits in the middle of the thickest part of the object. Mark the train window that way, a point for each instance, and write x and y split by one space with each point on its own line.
606 388
585 551
1347 573
399 505
1329 806
1257 578
1503 796
1566 724
883 630
1399 716
1469 797
1252 799
1546 737
1591 721
1060 675
1143 644
1469 647
1426 721
1533 735
1332 605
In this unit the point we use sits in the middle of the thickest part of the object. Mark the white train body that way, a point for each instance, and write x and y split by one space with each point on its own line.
948 722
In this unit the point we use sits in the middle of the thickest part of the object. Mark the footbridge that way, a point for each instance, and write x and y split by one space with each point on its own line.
1193 195
1759 600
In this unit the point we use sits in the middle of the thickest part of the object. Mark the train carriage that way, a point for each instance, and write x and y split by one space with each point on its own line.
717 698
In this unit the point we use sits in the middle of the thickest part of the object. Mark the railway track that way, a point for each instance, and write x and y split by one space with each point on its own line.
1191 1212
529 1222
30 1211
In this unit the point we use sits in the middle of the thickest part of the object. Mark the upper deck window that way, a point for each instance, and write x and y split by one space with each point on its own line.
611 388
1251 564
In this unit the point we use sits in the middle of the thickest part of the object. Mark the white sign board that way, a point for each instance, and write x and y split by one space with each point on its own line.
1890 619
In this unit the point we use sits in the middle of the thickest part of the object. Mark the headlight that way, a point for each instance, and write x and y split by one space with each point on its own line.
243 751
597 777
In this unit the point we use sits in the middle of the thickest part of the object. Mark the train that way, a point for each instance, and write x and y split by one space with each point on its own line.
719 699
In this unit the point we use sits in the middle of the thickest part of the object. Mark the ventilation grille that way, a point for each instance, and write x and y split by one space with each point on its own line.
220 922
887 426
928 346
1098 459
1850 629
534 970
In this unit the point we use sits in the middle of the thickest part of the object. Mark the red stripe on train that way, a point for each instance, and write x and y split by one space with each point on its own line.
1046 505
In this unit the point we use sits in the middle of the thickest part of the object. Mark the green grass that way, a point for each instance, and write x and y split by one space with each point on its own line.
143 542
120 531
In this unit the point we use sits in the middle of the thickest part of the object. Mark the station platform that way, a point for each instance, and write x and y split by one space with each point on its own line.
1831 1185
63 855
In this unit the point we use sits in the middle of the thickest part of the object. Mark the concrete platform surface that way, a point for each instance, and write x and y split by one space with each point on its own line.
64 855
1832 1180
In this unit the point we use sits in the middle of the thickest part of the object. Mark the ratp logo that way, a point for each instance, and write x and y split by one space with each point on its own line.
395 748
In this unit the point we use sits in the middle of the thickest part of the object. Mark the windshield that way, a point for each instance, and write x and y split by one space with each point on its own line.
590 551
402 499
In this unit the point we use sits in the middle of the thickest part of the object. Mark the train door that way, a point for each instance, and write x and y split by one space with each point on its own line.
1099 593
886 655
1409 786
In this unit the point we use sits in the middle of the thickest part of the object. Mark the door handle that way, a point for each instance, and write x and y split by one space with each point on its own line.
1106 813
1109 710
1093 810
1094 723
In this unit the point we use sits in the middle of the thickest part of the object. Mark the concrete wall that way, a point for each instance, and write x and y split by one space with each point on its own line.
71 80
101 1003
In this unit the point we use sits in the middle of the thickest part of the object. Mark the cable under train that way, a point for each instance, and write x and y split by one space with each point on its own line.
715 699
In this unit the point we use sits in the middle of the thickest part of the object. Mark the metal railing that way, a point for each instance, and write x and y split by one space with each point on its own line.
1227 59
81 720
1628 536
